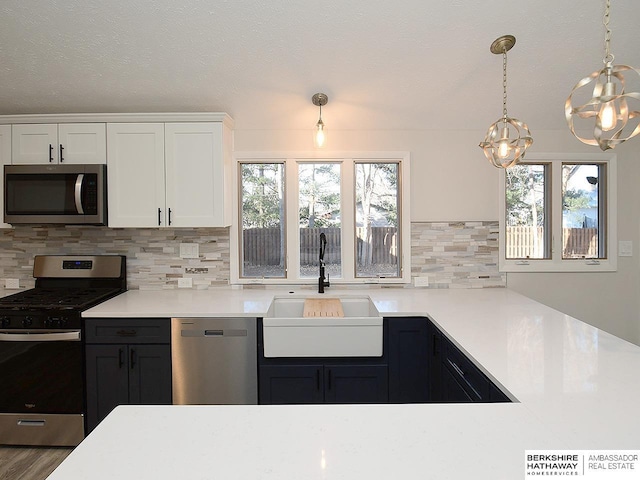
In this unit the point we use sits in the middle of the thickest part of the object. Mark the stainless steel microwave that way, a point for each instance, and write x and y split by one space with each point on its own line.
59 194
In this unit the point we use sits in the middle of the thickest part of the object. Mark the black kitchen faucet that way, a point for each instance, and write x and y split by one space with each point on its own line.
321 280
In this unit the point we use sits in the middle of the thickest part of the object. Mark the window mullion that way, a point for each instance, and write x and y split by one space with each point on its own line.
556 212
292 220
348 213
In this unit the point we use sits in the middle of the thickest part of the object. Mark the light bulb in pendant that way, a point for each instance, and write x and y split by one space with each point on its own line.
320 135
504 148
608 115
320 130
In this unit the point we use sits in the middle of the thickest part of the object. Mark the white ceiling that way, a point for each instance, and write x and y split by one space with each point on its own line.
405 64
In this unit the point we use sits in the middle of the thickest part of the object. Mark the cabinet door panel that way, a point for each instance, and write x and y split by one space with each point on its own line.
194 172
150 374
34 144
291 384
409 360
356 384
107 381
82 143
135 172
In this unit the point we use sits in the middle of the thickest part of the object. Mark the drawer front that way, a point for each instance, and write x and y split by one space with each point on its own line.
128 330
466 373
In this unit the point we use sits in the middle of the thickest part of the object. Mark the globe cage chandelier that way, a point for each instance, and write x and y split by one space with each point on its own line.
608 104
507 138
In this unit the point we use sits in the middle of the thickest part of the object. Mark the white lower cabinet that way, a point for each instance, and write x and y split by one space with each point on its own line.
168 174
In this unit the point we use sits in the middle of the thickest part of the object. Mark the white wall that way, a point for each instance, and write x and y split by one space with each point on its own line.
452 181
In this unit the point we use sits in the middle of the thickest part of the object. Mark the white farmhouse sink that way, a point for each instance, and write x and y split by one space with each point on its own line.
287 333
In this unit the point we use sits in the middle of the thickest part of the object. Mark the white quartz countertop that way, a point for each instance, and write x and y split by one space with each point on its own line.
576 388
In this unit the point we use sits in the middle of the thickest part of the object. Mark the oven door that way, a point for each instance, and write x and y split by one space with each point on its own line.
41 399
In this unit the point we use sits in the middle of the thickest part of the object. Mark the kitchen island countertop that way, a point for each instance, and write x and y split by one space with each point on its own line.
576 388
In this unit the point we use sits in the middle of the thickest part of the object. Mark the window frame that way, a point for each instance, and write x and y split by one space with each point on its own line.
347 160
556 263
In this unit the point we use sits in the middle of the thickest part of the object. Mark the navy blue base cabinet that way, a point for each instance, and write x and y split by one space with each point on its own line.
322 380
128 361
458 379
291 384
409 356
320 383
419 365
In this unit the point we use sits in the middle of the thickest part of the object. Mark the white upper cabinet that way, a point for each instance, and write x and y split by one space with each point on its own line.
5 159
194 166
135 174
71 143
170 174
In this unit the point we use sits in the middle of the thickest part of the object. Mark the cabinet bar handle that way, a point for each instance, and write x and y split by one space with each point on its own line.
169 216
120 359
159 223
61 157
50 153
456 368
133 358
31 423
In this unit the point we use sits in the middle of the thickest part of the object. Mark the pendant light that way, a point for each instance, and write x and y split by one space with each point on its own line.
507 138
320 130
608 106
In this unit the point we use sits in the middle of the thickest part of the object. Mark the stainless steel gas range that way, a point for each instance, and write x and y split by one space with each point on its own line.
41 348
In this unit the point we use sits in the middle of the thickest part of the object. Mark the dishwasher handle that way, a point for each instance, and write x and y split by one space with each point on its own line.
227 332
215 333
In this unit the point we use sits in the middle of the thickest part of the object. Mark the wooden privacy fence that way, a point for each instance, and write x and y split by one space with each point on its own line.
384 248
263 246
310 245
528 242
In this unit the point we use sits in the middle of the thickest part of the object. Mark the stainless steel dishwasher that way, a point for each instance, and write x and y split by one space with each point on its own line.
214 361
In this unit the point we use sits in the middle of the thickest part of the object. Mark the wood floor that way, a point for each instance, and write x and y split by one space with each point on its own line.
20 463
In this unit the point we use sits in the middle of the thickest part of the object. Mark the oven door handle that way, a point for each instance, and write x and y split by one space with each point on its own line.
78 193
73 336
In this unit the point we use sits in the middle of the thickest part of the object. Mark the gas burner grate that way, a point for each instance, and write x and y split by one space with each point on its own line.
56 298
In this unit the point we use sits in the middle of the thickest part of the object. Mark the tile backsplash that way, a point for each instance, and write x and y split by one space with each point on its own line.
456 254
449 254
153 255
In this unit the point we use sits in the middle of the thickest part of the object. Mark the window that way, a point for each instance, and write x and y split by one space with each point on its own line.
285 204
377 220
319 212
558 214
527 219
262 220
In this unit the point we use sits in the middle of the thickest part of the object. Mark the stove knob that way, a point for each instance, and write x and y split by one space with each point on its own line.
27 322
63 322
5 321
